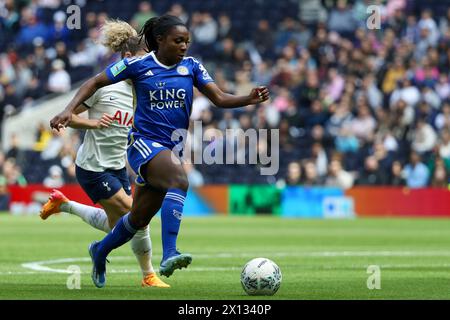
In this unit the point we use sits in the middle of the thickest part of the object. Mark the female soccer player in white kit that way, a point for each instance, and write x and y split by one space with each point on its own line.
100 161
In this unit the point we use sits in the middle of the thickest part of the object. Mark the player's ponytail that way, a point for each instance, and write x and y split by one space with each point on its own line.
119 36
158 26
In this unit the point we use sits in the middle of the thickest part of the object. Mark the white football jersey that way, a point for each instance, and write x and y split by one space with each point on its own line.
106 148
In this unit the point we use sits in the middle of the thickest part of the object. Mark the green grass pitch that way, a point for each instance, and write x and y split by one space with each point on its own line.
319 259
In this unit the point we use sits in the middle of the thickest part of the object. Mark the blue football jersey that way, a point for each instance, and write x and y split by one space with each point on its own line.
162 94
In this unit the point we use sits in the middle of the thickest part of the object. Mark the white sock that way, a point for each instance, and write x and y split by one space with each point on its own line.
142 248
93 216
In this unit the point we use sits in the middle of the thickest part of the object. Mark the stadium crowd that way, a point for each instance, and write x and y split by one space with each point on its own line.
353 105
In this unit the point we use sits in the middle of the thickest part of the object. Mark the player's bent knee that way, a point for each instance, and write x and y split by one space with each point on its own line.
125 206
138 222
179 182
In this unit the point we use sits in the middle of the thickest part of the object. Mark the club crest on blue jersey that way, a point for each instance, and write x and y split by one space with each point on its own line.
182 70
160 84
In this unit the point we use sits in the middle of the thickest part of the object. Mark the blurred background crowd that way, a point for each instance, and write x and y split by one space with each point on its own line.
353 105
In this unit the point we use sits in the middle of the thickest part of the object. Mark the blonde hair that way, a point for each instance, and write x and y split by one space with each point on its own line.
116 33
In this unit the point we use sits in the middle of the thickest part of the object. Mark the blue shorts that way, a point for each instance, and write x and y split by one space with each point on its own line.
140 151
103 185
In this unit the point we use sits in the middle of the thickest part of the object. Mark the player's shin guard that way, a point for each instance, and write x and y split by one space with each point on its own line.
142 247
171 214
120 234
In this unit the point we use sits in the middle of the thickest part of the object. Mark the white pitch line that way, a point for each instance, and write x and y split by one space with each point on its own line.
41 266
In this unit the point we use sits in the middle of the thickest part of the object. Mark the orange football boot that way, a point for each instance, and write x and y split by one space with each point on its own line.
152 280
53 204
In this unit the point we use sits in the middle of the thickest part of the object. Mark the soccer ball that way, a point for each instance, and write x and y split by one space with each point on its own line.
261 277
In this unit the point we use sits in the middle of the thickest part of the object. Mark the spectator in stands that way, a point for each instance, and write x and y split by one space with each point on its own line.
396 177
341 19
394 73
312 177
443 118
294 174
225 28
317 115
243 82
444 144
177 10
59 30
89 52
312 11
34 91
31 28
59 78
402 115
145 12
346 141
432 101
228 122
337 176
364 124
370 91
319 156
54 178
335 85
14 150
23 75
384 157
225 53
440 177
425 137
62 54
411 31
263 38
371 174
442 87
54 146
287 31
427 22
11 99
262 74
406 92
13 173
416 172
204 30
43 136
340 118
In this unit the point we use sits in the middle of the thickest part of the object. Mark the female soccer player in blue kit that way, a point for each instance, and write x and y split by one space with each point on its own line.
163 83
100 161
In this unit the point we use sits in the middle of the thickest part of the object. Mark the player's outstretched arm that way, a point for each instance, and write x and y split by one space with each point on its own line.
78 122
226 100
86 90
